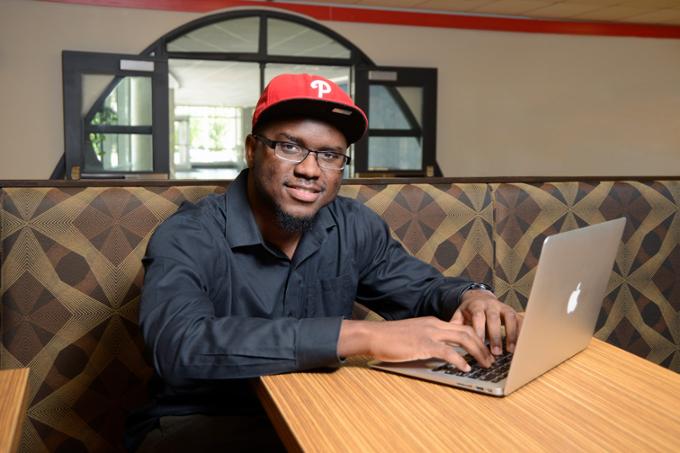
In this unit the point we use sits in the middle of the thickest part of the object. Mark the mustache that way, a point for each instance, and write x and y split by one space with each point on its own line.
305 184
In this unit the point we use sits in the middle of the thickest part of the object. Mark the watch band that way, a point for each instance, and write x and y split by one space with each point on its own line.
477 286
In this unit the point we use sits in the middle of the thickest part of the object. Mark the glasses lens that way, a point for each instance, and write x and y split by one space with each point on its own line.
331 161
290 151
293 152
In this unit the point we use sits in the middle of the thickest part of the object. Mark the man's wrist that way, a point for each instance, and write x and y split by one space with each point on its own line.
475 286
354 338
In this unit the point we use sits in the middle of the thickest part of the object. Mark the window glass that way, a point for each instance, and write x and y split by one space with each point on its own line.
338 74
92 86
288 38
129 104
413 98
394 153
211 106
389 106
121 152
234 35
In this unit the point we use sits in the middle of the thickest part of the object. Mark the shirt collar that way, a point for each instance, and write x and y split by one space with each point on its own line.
242 230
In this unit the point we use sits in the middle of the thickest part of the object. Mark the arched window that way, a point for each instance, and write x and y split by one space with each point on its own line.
183 107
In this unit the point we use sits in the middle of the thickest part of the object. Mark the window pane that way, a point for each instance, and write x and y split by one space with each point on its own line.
122 152
338 74
289 38
129 104
235 35
211 105
394 153
389 107
413 98
92 85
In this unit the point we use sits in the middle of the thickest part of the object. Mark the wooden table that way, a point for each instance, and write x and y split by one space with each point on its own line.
603 399
13 400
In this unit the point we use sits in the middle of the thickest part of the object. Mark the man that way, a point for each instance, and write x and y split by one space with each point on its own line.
262 279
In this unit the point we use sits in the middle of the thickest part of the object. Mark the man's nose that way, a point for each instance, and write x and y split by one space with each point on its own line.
309 166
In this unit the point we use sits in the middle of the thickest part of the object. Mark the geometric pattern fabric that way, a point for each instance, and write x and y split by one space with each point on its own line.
71 274
641 311
70 282
446 225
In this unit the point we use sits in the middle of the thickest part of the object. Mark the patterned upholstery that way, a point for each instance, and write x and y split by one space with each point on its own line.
70 277
641 310
447 225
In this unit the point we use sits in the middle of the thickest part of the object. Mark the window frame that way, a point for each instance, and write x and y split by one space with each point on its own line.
97 63
75 64
425 78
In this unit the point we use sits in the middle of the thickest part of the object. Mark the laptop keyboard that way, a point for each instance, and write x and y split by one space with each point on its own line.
495 373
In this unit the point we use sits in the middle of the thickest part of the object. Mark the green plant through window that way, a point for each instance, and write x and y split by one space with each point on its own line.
105 117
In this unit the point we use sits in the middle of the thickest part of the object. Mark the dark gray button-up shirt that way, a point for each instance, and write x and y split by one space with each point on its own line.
219 303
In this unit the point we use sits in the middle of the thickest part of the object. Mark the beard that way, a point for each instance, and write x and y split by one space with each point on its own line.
291 224
287 222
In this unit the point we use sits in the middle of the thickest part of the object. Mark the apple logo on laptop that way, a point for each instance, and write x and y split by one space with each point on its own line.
573 299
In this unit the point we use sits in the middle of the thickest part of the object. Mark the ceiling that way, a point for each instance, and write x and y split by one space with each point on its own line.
657 12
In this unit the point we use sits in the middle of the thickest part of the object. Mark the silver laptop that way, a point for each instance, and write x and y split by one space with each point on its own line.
565 300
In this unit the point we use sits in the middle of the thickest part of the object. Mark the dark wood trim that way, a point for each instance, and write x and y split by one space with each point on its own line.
110 183
504 179
347 182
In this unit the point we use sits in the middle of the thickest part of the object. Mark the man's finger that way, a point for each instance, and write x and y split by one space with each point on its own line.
479 323
445 352
458 318
493 324
520 321
511 322
466 338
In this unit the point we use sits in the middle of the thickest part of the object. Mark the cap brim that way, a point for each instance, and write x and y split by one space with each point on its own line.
347 119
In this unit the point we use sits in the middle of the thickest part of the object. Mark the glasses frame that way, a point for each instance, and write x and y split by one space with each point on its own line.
274 144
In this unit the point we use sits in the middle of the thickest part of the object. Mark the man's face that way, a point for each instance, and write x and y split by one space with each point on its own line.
285 190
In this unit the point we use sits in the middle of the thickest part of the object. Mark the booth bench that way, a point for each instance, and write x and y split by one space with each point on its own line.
71 274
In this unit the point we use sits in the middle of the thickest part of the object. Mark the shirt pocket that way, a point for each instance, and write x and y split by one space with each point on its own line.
331 297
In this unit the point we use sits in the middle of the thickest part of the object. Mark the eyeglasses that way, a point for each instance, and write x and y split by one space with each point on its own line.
292 152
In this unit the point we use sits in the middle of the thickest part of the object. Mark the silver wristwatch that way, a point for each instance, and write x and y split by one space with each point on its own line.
476 286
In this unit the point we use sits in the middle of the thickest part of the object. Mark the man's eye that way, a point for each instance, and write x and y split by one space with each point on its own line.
289 148
330 157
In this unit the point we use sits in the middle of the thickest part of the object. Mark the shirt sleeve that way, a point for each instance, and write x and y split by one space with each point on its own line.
397 285
187 340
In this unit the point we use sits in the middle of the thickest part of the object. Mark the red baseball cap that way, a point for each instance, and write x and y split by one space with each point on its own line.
305 95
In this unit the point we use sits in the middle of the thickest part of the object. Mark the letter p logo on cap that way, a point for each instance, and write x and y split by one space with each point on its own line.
321 86
310 96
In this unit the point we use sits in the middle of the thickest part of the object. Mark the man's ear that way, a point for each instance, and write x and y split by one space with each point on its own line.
251 143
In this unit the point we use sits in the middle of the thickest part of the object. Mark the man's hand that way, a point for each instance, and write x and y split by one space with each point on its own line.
480 309
412 339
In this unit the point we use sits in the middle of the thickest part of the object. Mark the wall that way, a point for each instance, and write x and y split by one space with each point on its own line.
32 36
531 104
509 103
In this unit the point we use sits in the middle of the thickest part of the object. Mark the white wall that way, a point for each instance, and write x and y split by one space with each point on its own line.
509 103
536 104
32 36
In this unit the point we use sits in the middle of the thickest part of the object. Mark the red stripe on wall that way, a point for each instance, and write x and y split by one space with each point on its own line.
399 17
